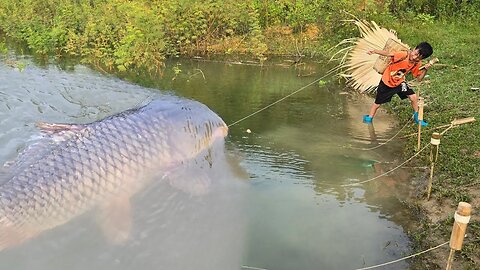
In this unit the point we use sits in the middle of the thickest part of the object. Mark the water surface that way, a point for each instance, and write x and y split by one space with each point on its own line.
277 200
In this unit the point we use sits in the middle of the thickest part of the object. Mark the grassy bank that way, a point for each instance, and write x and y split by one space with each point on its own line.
118 36
451 93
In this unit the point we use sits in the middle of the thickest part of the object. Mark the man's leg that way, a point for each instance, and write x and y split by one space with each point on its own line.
373 109
414 101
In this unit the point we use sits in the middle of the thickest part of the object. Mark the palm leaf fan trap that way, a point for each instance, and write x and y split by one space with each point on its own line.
356 65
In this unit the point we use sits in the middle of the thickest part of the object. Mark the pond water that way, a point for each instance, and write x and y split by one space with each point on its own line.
279 200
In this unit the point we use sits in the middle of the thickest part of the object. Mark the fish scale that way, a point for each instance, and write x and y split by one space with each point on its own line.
83 166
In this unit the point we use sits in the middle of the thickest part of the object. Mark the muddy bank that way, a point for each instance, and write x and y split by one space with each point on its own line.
435 221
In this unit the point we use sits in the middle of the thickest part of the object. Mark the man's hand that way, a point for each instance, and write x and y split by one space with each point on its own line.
429 64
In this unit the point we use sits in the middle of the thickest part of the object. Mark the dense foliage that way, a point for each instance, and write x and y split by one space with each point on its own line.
120 34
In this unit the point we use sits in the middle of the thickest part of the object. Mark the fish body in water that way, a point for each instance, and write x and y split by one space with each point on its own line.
76 168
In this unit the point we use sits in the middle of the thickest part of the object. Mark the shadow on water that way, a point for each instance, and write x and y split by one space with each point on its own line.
293 213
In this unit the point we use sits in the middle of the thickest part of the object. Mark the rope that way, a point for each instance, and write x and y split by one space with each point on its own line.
383 174
448 126
285 97
425 130
404 258
251 267
373 266
447 129
387 141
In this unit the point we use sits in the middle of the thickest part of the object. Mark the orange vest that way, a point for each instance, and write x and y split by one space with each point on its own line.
395 73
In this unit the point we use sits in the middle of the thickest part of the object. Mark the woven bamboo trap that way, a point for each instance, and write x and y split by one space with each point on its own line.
360 69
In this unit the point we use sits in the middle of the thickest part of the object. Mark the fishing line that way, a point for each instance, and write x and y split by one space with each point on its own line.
388 172
384 143
404 258
333 70
283 98
251 267
383 174
378 176
374 266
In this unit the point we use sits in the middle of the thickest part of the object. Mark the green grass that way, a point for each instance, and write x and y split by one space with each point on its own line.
449 96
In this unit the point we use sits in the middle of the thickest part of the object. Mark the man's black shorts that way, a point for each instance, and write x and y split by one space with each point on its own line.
385 93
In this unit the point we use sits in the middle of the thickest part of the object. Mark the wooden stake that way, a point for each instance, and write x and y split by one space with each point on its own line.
450 259
458 122
434 143
462 217
420 119
453 124
463 121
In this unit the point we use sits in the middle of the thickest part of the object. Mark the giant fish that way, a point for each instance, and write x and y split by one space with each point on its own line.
98 166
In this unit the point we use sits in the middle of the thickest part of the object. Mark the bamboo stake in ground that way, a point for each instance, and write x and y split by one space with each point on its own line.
420 119
434 142
462 217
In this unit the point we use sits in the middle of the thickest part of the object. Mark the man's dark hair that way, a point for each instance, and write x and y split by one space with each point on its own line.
424 49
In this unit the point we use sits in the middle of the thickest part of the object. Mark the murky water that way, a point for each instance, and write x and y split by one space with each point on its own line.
277 200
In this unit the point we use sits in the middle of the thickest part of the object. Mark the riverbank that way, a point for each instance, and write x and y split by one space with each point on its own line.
450 93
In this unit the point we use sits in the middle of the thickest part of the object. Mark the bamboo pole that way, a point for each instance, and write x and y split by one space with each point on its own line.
452 124
434 143
420 119
458 122
463 121
462 217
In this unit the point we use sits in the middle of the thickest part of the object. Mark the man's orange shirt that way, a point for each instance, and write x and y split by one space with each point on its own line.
395 73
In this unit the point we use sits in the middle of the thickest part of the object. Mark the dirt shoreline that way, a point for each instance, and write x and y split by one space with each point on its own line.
435 221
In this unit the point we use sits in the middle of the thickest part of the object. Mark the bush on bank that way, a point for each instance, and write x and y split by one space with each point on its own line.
122 34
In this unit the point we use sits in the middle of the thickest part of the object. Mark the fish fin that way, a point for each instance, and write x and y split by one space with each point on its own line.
52 128
234 161
11 237
115 219
193 182
59 132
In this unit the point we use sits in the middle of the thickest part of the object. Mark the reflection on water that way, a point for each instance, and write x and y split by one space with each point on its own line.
292 213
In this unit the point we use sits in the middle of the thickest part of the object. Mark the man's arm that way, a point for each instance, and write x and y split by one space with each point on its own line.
423 72
380 52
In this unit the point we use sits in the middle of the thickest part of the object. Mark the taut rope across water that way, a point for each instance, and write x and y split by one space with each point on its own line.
285 97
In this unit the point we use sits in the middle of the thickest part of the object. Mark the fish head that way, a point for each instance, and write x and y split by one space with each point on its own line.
198 133
192 127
